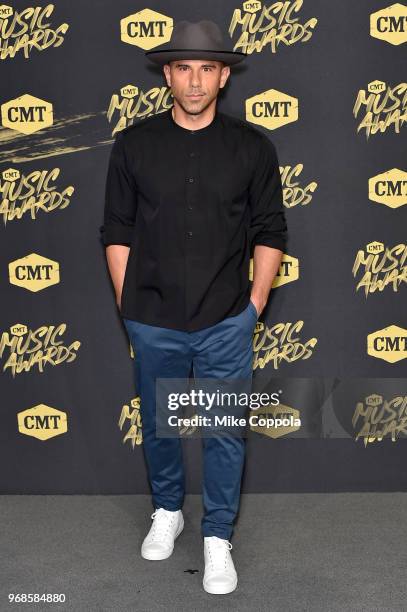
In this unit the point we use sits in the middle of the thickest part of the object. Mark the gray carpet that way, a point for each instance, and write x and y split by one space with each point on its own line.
313 551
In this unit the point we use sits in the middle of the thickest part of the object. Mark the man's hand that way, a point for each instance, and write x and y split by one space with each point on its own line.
266 261
259 303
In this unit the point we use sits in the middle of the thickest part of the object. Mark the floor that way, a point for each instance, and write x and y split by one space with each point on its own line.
313 551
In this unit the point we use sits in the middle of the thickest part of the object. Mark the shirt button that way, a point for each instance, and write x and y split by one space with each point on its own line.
190 180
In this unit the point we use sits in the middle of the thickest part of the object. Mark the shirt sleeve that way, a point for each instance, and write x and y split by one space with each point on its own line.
268 223
120 198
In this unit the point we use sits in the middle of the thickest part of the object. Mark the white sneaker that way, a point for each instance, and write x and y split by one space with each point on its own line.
159 542
220 575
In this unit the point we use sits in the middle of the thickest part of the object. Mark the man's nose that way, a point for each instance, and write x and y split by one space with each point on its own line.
195 79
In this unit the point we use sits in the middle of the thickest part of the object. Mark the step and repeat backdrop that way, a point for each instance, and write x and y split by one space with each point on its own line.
325 80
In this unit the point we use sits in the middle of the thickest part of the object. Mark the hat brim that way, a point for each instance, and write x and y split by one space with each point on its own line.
164 57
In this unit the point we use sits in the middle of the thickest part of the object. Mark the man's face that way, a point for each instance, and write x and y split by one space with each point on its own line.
195 83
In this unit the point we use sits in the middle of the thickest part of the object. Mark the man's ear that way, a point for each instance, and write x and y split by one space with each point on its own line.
225 72
167 74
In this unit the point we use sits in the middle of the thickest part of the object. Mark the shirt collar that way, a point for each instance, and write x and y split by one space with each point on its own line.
205 130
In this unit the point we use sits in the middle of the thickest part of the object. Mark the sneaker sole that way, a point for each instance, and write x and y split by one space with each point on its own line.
157 556
218 590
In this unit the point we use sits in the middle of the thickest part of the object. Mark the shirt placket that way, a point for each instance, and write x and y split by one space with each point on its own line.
191 198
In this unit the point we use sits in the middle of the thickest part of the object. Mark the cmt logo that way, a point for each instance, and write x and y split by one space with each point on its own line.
42 422
390 24
276 412
389 344
27 114
34 272
252 6
5 11
272 109
10 175
18 329
389 188
375 247
287 272
146 29
129 91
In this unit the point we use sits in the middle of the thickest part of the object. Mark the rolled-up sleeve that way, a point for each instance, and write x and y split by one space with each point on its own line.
268 222
120 205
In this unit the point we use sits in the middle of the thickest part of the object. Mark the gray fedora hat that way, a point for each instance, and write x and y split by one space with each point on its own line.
200 40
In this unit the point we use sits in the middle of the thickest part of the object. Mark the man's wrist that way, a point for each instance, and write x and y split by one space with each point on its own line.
259 299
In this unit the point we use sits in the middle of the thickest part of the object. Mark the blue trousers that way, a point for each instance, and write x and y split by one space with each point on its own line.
219 351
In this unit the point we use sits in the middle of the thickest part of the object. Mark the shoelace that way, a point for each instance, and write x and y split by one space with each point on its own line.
215 547
162 524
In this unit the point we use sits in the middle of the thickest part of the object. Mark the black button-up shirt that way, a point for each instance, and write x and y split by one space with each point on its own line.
191 205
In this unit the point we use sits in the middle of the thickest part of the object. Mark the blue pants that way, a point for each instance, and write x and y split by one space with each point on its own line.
219 351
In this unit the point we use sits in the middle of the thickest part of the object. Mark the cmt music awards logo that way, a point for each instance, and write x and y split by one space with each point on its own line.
31 193
281 342
375 418
131 415
145 29
257 25
381 106
24 348
389 344
42 422
28 29
27 114
134 103
295 194
390 24
381 267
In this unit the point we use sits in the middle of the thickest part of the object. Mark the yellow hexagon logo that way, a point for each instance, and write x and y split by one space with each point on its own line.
27 114
18 329
10 175
374 400
5 11
389 188
251 6
42 422
146 29
34 272
390 24
376 86
288 271
389 344
375 247
274 412
272 109
129 91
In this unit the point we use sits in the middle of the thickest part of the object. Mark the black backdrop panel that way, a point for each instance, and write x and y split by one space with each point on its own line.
330 75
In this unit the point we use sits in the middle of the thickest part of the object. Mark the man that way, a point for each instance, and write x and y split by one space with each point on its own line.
191 195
